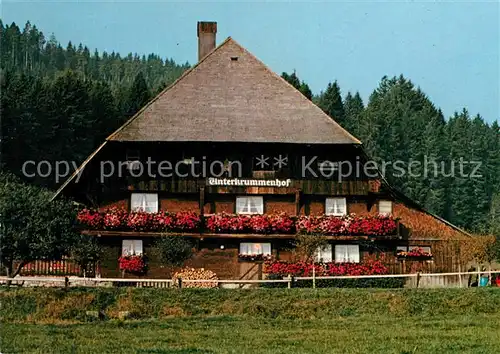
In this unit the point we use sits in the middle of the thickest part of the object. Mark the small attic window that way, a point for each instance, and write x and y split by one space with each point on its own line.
234 58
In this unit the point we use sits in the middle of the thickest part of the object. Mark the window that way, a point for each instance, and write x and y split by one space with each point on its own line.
323 254
327 168
132 159
255 248
249 205
335 206
347 253
131 247
147 202
132 155
385 207
426 249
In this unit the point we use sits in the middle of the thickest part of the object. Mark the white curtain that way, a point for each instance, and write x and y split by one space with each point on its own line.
324 254
131 247
336 206
347 253
255 248
147 202
249 205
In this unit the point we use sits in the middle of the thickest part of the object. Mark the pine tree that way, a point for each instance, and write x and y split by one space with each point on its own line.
105 114
354 107
331 103
137 96
494 223
461 196
294 80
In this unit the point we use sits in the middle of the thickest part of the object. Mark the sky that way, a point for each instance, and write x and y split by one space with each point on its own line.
449 49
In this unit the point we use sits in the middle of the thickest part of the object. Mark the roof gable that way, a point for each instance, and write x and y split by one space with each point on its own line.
231 96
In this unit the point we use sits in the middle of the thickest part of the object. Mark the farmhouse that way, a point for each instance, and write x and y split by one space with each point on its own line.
291 177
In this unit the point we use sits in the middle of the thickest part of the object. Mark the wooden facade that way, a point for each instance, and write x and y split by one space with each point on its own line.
228 112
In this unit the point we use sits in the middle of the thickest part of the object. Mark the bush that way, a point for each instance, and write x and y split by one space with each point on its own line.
173 250
385 283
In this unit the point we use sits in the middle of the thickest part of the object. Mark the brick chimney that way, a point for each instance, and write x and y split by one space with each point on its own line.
206 38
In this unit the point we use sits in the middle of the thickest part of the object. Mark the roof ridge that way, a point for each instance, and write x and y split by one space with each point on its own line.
331 120
162 92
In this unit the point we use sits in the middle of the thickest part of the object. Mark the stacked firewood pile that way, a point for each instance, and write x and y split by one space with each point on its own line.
195 274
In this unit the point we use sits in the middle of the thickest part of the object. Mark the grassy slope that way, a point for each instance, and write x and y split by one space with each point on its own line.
450 334
252 321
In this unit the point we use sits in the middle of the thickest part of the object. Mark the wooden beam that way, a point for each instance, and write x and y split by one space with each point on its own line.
297 202
106 233
202 200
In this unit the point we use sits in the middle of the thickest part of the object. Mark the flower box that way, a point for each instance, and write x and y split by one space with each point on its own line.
298 269
415 253
134 264
352 225
253 257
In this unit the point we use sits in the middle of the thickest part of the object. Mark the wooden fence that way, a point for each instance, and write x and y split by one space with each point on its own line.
412 280
61 267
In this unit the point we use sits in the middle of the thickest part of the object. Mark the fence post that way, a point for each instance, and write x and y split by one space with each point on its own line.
289 281
66 282
314 276
418 278
460 281
179 281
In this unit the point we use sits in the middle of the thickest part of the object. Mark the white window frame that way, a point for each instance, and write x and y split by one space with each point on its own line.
334 203
426 249
388 203
132 247
324 254
328 168
253 248
347 254
133 160
244 205
143 203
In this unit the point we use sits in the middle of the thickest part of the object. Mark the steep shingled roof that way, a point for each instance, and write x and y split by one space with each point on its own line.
231 96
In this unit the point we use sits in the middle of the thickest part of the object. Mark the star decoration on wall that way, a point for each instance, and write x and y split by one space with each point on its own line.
280 161
262 161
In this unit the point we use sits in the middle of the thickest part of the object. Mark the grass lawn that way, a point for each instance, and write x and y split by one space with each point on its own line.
456 333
